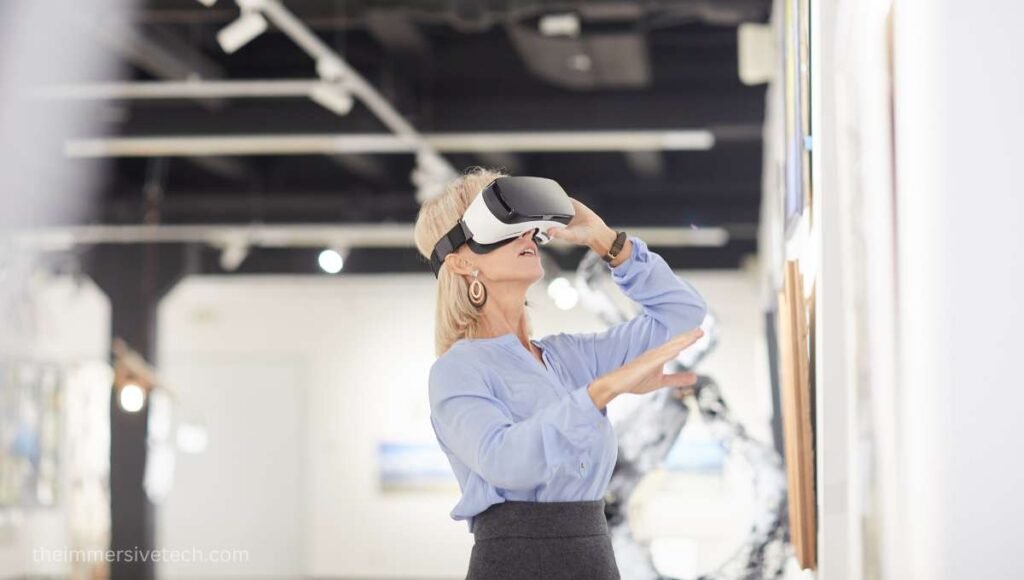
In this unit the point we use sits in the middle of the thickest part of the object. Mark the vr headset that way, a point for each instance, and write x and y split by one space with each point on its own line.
502 211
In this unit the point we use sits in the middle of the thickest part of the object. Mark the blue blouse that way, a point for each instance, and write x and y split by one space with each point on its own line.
514 429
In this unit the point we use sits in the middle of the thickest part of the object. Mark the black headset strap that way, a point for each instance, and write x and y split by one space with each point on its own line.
447 244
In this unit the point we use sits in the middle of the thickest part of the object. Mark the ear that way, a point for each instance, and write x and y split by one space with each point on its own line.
458 265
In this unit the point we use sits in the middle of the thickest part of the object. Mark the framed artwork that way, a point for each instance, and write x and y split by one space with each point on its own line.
29 433
413 466
797 105
797 419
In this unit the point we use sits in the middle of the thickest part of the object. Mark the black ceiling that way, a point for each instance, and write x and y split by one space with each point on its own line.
450 66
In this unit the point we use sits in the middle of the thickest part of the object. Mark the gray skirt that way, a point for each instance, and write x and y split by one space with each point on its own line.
525 540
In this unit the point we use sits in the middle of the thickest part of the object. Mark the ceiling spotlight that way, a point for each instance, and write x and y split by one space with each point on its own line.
207 3
132 398
240 32
330 68
233 250
332 97
559 25
430 176
232 255
331 261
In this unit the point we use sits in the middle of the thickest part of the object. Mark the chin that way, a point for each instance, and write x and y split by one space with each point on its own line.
539 276
533 274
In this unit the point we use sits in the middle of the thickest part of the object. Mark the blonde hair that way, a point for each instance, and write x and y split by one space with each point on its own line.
455 316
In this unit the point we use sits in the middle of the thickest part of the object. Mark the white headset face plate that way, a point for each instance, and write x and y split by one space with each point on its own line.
487 229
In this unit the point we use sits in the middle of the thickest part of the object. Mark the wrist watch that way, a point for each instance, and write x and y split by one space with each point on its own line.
613 252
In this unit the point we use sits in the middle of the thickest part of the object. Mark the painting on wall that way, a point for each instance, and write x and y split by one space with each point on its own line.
797 107
29 433
413 466
797 414
804 60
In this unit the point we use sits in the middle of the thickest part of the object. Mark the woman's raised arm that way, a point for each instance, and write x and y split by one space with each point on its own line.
670 306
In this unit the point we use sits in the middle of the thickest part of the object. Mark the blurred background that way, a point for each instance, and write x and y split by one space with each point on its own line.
215 330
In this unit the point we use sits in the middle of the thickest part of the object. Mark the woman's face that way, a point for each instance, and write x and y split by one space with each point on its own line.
516 261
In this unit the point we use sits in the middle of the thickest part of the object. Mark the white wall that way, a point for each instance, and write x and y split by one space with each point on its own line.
919 323
740 362
356 350
959 94
837 532
853 239
245 491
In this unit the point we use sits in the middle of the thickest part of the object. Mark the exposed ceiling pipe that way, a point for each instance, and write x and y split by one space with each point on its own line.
306 235
165 55
333 144
187 89
432 170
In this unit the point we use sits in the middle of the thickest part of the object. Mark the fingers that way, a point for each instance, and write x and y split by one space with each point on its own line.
676 344
687 338
660 355
682 392
557 233
682 384
653 361
679 380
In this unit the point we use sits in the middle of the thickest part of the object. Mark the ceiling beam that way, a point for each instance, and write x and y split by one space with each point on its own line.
739 111
432 170
163 54
302 235
678 208
540 141
182 89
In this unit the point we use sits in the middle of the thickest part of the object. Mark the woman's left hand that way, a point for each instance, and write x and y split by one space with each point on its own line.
586 229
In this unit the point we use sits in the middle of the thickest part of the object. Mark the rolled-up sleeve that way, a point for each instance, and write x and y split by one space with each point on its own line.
670 306
516 455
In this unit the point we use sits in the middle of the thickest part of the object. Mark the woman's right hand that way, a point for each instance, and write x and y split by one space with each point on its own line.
645 373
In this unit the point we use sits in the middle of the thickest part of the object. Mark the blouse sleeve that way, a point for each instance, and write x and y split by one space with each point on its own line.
670 306
479 429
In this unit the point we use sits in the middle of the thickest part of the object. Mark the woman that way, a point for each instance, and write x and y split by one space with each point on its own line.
523 421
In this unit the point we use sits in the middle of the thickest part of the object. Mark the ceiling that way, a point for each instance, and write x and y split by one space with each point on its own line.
447 66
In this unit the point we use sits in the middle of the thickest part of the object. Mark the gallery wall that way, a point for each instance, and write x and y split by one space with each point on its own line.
958 94
313 373
916 243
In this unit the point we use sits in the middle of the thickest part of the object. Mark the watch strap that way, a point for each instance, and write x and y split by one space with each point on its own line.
613 252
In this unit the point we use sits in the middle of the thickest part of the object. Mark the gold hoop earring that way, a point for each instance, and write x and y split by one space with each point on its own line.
477 291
